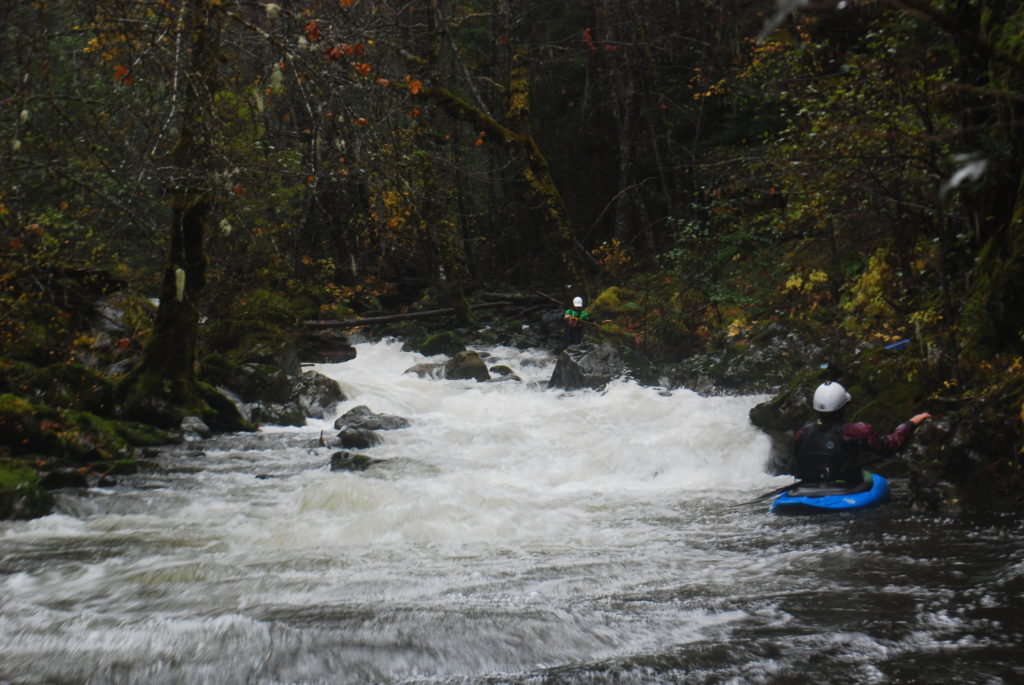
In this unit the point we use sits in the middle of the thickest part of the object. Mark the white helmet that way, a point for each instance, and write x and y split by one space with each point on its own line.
577 302
830 397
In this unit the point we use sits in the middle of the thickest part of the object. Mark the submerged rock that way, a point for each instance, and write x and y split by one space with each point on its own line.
426 370
351 461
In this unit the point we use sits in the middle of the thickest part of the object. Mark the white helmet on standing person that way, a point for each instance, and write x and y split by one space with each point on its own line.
577 301
830 397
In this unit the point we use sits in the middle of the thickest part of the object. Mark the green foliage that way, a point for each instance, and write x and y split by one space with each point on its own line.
653 315
718 259
62 384
259 327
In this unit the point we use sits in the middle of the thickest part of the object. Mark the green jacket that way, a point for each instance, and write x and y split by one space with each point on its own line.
574 316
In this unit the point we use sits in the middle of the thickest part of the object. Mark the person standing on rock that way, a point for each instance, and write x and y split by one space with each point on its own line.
826 450
573 323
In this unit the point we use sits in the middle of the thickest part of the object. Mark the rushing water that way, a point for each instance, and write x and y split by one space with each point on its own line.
514 534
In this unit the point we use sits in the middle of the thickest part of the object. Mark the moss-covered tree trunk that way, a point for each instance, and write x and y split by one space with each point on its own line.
163 388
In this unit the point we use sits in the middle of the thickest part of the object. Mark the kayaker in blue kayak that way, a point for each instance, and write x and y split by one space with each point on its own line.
826 450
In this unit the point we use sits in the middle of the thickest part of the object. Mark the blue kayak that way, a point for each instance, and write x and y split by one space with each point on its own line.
810 497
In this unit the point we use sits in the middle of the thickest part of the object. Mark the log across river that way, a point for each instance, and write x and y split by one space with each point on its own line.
511 534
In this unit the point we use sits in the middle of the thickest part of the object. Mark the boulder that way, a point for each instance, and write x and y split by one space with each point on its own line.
361 418
466 365
593 366
317 394
65 477
194 428
351 438
276 413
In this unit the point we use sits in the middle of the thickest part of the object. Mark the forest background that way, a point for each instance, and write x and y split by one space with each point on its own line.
847 171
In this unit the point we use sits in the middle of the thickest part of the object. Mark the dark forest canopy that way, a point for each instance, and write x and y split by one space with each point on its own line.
850 168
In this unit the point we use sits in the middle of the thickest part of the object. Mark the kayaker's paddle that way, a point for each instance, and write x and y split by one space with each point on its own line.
769 495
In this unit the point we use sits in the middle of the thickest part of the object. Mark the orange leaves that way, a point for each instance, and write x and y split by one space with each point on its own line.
588 39
335 52
346 3
312 32
238 190
480 139
363 68
361 122
415 112
356 50
414 85
122 75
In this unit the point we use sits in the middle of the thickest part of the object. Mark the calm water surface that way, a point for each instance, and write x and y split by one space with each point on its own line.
514 535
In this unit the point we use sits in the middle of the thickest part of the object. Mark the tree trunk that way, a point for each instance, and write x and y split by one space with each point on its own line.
440 224
163 388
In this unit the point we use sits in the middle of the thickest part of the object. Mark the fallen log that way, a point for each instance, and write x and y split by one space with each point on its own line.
521 298
392 318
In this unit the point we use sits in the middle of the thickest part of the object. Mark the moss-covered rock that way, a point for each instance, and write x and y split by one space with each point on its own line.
219 412
466 365
448 343
75 436
352 461
21 496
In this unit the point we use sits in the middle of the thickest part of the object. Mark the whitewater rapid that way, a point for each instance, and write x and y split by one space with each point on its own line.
511 533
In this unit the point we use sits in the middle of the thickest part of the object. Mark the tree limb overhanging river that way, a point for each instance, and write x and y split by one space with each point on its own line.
513 534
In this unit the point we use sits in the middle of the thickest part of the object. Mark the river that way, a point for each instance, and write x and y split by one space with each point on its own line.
513 534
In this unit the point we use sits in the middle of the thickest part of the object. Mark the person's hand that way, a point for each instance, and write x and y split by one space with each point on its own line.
916 420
